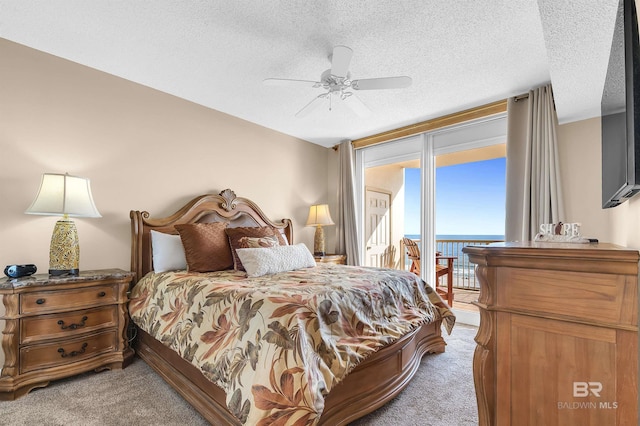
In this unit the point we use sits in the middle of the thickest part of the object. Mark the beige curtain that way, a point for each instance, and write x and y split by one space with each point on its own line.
347 227
534 193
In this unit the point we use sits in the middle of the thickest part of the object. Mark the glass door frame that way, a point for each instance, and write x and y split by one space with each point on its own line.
426 146
410 148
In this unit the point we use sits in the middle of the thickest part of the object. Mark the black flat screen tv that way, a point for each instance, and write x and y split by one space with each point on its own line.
620 111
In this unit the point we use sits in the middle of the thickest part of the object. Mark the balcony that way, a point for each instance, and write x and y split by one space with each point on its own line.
465 282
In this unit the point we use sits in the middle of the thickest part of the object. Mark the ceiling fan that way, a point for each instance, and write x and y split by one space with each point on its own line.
337 83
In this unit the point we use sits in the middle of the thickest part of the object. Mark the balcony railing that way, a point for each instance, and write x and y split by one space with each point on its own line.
464 276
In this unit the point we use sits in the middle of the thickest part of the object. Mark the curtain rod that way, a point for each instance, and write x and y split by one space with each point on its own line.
520 97
432 124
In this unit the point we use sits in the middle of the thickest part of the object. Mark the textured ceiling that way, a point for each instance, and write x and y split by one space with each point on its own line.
460 54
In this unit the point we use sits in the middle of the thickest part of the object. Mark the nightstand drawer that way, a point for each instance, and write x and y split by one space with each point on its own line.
67 324
37 357
46 301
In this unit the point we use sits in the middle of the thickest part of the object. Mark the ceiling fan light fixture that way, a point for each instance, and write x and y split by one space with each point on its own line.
344 95
337 79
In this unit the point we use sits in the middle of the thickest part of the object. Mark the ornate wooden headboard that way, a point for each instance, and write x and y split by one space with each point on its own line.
224 207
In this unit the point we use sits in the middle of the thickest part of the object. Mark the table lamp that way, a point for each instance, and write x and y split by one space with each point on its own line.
319 216
69 196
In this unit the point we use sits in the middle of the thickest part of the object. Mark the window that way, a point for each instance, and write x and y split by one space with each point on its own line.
474 136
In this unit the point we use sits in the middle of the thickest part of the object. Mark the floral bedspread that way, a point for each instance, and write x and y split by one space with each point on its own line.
278 344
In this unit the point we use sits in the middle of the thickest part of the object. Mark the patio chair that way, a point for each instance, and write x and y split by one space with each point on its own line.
388 257
444 266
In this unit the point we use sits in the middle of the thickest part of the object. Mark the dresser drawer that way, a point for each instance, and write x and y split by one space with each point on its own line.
47 301
590 297
67 324
69 351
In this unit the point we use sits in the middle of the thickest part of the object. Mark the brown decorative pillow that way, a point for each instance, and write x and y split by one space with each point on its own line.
206 246
241 237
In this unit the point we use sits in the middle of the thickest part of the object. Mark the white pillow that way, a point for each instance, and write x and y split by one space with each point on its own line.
284 238
168 252
271 260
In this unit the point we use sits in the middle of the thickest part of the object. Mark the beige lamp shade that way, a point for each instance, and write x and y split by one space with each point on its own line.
64 195
67 196
319 216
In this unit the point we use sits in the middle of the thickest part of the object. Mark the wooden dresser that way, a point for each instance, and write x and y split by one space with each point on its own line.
54 327
558 335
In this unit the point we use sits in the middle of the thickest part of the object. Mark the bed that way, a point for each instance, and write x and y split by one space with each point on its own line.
266 374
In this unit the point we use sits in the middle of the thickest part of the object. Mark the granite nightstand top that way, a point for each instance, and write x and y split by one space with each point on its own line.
46 279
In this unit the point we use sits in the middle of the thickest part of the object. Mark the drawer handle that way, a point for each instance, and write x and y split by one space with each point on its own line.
72 326
63 353
40 301
102 294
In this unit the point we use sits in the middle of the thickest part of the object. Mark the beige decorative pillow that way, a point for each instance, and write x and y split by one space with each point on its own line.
271 260
206 246
250 235
255 242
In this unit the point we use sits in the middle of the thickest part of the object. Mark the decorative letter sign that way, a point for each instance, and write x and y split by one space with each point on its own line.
560 233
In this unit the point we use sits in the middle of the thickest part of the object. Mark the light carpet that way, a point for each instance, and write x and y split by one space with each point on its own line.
440 394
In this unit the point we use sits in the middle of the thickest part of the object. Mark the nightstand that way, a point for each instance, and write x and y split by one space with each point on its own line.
338 259
55 327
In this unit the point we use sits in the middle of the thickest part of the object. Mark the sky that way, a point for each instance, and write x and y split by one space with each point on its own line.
470 199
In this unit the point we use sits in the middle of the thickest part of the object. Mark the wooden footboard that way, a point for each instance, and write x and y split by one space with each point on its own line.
369 386
381 377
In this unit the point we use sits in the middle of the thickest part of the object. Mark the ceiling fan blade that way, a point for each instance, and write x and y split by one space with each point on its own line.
340 60
356 104
289 82
311 106
381 83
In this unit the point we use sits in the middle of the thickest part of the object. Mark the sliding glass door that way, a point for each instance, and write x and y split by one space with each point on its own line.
390 180
395 185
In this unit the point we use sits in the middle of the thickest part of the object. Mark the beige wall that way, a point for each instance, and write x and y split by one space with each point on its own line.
580 156
142 149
